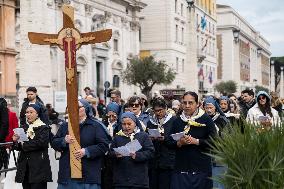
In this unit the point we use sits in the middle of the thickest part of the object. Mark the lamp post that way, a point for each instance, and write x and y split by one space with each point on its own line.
190 3
236 34
272 76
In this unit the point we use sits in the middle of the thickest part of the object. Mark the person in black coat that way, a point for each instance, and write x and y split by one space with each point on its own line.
131 172
33 169
4 131
94 141
161 167
33 98
192 165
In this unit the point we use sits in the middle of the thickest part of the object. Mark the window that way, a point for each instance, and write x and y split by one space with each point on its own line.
182 66
176 33
182 35
115 45
177 64
175 6
181 9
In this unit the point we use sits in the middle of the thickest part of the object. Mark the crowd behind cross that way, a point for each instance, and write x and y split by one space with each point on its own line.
173 138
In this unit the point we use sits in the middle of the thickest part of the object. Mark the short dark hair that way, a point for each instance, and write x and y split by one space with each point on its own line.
134 99
33 89
230 95
87 88
116 92
249 91
159 102
191 93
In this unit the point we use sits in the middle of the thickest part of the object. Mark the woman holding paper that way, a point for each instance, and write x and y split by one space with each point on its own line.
262 113
192 166
161 167
94 141
131 166
33 169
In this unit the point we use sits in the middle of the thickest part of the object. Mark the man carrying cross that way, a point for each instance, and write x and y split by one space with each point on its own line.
82 141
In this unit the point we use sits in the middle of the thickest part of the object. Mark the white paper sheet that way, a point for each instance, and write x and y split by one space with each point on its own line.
130 147
177 136
21 133
154 133
263 118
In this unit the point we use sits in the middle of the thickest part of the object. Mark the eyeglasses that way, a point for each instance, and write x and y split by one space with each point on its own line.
80 107
134 105
114 116
188 102
158 110
262 97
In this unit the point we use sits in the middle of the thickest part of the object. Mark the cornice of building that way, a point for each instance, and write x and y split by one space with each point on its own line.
225 9
245 35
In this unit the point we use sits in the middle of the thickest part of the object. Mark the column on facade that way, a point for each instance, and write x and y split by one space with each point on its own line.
282 83
272 76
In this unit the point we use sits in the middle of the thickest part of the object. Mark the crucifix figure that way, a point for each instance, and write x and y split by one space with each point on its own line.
69 39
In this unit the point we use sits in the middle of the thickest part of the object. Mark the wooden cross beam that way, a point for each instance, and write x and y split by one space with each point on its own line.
69 39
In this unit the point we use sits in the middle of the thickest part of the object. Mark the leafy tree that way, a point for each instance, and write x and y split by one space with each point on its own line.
226 87
147 72
261 88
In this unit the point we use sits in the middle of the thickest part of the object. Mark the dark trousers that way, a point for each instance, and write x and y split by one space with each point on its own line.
160 178
191 180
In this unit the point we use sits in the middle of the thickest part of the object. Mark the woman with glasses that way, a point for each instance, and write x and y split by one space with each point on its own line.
262 114
161 167
191 134
135 106
113 110
94 142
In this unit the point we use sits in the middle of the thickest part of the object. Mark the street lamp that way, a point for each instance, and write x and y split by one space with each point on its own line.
190 3
236 34
259 50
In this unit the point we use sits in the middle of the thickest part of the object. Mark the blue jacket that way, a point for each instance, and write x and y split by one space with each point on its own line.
94 139
128 172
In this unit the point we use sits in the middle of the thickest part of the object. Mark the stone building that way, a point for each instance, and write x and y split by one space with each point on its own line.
8 51
243 53
43 66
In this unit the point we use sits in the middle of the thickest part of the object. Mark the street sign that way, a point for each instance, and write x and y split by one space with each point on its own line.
107 84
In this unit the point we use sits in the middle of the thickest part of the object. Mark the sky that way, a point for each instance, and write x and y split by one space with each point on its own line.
265 16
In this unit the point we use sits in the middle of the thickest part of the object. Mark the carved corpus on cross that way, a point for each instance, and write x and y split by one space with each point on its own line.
69 39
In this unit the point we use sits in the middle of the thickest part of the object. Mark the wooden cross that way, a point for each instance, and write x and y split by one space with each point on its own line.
69 39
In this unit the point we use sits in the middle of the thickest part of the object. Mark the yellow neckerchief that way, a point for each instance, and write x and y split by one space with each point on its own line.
131 136
30 131
191 121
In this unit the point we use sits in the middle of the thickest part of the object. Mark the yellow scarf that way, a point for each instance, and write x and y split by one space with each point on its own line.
191 121
30 131
131 136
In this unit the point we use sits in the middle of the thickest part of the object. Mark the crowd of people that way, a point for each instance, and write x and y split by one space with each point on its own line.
173 138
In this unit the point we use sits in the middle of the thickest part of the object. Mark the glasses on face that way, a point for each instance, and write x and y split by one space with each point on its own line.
262 97
188 102
134 105
158 110
112 116
80 107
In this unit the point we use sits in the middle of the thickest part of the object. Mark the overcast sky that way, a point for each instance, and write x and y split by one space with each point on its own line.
266 16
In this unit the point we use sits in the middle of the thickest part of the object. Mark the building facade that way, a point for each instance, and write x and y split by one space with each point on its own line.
43 66
206 25
8 51
243 54
171 31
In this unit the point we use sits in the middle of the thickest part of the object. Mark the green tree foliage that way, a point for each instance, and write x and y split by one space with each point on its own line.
254 159
261 88
147 72
226 87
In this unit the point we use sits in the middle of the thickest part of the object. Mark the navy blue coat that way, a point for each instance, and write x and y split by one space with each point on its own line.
94 138
192 157
128 172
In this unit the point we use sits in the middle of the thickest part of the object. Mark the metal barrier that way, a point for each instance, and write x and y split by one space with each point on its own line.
7 145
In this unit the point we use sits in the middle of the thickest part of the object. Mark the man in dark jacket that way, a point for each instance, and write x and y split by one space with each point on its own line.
33 98
246 102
